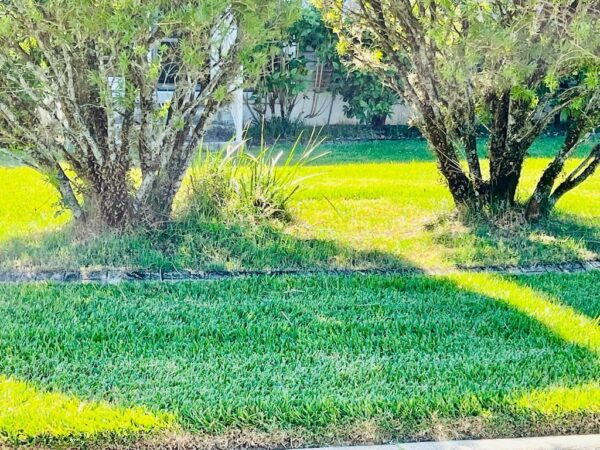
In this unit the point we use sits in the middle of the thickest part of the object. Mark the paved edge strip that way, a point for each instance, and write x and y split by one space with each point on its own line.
113 276
578 442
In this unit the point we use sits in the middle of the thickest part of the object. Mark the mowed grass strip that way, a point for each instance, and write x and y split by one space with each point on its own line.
379 204
322 358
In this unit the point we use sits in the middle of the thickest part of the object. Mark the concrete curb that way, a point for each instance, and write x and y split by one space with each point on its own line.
114 276
581 442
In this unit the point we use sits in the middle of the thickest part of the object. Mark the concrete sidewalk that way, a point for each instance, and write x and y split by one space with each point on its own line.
588 442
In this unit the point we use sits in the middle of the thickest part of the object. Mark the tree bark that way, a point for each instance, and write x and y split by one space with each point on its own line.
468 135
110 202
585 170
539 205
155 208
68 196
459 184
506 161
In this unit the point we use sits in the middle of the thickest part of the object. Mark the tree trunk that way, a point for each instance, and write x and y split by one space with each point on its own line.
584 171
110 202
459 184
460 187
506 161
156 210
506 177
378 121
67 195
539 205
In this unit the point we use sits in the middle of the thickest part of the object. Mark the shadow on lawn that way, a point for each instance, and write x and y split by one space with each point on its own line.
182 245
319 355
560 238
215 246
566 404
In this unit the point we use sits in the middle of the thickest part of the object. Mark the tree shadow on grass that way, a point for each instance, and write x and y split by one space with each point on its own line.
316 354
209 245
562 405
562 238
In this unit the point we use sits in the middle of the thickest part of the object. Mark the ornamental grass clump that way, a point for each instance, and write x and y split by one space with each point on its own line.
237 182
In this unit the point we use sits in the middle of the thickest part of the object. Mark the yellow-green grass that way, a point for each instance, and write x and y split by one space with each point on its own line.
28 414
372 204
398 210
320 359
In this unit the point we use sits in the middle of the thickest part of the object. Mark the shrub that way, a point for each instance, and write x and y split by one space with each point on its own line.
285 79
366 98
239 183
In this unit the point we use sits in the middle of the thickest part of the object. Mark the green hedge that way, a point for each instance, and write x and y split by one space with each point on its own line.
277 131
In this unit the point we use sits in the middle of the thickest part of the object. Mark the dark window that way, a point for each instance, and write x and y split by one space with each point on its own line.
170 66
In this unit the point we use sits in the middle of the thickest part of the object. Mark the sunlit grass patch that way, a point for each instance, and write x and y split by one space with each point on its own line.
30 415
568 324
562 400
27 204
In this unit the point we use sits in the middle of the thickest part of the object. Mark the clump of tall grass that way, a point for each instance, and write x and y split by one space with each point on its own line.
258 184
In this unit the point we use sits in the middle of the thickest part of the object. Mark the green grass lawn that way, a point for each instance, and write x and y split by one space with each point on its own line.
280 362
372 204
300 360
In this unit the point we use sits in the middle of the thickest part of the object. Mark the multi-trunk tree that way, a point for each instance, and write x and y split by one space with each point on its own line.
79 92
508 66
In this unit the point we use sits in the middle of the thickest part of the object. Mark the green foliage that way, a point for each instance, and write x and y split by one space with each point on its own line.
340 133
277 91
366 98
211 186
276 129
584 80
286 77
273 179
125 25
311 33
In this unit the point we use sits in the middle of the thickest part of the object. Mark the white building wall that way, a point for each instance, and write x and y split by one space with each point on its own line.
317 107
